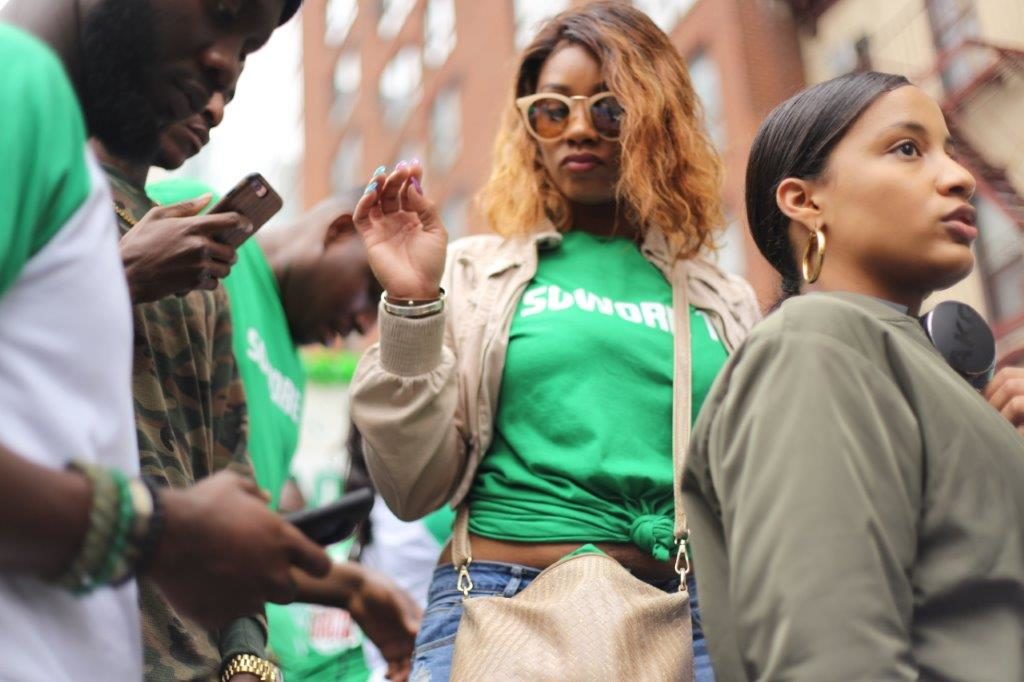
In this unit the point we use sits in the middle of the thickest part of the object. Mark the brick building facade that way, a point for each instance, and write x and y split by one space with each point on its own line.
387 80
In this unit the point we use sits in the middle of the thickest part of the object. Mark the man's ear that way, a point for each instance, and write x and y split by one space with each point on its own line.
341 226
796 200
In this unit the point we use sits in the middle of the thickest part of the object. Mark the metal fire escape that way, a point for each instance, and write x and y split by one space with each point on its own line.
1004 63
991 67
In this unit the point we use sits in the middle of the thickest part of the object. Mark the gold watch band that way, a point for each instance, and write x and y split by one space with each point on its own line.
254 665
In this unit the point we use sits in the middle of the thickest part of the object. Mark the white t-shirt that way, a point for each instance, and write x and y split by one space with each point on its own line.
65 355
407 552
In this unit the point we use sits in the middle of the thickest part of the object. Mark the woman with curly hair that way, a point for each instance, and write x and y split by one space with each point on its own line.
604 196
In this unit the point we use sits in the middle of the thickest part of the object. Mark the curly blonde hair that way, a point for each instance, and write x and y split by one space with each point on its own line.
670 177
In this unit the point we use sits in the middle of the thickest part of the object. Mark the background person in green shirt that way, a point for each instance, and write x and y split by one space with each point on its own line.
305 283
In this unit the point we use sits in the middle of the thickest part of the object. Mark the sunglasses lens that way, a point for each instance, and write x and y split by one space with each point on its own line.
548 117
607 115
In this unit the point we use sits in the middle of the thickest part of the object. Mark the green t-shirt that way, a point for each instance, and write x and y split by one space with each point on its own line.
176 190
582 445
42 150
270 366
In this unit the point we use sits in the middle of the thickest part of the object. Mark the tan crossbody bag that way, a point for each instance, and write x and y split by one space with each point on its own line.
585 617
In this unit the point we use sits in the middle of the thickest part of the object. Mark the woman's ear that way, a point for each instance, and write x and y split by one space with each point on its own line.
795 199
339 227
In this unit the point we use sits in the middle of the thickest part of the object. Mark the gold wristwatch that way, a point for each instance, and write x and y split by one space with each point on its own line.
254 665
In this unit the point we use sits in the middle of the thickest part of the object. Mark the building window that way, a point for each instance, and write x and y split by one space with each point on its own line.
531 14
438 32
346 177
347 73
708 86
1001 260
407 151
953 22
340 15
400 85
455 215
862 48
848 57
393 14
665 13
445 129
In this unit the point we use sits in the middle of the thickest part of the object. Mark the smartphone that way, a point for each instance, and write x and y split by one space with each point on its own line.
252 197
335 521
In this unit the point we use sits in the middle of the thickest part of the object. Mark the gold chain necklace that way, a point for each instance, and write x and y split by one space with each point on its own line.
124 215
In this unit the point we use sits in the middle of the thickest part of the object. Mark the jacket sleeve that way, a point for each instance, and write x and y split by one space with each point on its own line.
404 399
816 461
230 415
246 635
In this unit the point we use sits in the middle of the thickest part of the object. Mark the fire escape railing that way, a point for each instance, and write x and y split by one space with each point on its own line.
999 64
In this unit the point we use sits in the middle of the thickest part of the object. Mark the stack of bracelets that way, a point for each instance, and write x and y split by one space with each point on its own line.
125 520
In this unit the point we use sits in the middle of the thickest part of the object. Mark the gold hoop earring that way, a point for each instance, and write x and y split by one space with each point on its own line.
816 246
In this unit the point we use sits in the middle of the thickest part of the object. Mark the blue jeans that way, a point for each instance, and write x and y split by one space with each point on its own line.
435 644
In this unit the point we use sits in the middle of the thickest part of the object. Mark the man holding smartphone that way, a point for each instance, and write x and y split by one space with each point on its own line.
308 282
190 410
120 71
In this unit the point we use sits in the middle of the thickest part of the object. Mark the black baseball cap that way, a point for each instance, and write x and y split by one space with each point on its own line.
290 8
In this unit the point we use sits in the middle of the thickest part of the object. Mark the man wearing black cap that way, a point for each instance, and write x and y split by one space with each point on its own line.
119 70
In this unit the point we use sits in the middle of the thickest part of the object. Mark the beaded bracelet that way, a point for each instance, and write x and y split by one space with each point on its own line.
102 518
116 550
125 519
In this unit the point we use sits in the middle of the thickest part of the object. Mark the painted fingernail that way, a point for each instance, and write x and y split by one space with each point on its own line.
401 164
415 182
379 171
371 188
414 162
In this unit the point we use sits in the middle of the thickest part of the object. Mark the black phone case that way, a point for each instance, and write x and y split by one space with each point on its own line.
335 521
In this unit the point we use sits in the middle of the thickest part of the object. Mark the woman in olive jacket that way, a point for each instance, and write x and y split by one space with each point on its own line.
856 507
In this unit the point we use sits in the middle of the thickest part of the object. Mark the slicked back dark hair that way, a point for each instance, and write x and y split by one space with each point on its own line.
795 141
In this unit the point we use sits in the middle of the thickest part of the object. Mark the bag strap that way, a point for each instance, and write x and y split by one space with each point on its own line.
682 387
682 377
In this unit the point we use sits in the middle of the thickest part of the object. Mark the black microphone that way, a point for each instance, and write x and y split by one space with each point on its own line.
964 339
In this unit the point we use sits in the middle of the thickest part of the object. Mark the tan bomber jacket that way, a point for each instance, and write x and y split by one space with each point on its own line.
425 396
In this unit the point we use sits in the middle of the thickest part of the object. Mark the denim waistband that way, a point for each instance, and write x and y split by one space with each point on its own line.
497 577
487 576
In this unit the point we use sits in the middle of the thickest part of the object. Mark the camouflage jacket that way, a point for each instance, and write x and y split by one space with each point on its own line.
191 421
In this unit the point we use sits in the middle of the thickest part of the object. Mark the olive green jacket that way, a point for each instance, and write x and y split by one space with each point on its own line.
856 509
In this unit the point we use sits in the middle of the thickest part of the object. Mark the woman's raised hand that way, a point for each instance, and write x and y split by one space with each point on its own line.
405 240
